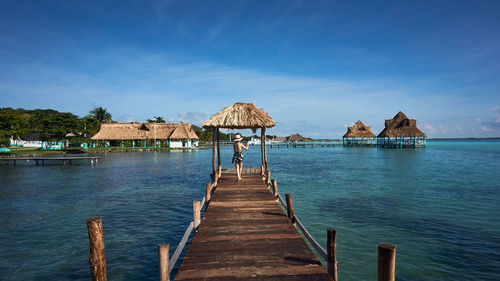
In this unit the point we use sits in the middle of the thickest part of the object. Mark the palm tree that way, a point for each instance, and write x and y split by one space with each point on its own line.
158 119
100 115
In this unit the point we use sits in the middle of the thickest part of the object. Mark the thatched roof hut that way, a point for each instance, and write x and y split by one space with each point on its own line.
240 116
144 131
359 130
295 138
401 126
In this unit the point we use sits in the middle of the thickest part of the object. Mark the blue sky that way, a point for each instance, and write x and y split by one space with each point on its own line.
314 66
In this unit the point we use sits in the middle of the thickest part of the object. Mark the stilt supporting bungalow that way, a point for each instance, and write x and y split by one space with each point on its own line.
401 132
359 135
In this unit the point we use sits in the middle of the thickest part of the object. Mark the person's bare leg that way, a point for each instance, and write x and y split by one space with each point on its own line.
237 171
241 170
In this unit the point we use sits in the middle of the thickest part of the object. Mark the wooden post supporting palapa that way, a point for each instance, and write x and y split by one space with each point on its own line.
97 256
218 148
163 261
386 262
268 179
216 179
196 214
289 207
214 154
275 188
263 146
332 253
208 193
265 154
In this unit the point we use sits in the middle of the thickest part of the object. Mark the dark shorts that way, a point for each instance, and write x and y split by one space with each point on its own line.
238 157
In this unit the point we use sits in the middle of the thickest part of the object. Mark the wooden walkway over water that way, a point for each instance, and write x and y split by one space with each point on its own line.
41 159
245 235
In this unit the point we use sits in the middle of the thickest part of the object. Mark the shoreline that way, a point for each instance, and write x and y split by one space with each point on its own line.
38 152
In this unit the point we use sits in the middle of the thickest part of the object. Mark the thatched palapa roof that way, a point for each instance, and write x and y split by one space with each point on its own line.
359 130
144 131
295 138
401 126
240 116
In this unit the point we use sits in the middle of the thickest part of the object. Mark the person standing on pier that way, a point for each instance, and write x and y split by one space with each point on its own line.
238 155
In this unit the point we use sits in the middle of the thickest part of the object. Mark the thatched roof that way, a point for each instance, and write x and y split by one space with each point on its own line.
240 116
295 138
359 130
144 131
401 126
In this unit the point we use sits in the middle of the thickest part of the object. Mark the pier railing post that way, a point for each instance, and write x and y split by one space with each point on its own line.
262 170
268 177
196 214
216 179
289 207
220 171
386 262
163 261
332 253
97 256
208 194
275 188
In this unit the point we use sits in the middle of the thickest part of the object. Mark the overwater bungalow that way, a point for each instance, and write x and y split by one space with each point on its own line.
359 135
135 134
401 132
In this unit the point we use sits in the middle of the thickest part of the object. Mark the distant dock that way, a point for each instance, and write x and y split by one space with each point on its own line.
66 160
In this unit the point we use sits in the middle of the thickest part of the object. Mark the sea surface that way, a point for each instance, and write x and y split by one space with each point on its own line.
440 206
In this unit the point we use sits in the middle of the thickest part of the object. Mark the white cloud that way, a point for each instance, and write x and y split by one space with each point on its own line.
196 118
429 128
443 130
139 86
495 108
485 129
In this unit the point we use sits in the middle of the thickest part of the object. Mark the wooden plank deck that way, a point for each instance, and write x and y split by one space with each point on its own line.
246 236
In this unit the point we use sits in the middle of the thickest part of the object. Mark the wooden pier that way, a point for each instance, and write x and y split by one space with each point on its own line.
41 160
245 235
303 144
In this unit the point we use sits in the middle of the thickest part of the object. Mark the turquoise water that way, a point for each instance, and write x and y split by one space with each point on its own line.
438 205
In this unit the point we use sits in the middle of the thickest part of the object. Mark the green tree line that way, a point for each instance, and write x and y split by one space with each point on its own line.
49 124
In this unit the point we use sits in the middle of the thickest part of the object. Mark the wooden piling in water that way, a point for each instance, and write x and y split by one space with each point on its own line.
163 261
289 207
332 253
386 262
196 214
275 188
97 256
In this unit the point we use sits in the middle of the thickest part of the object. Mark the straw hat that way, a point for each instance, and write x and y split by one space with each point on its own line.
238 137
